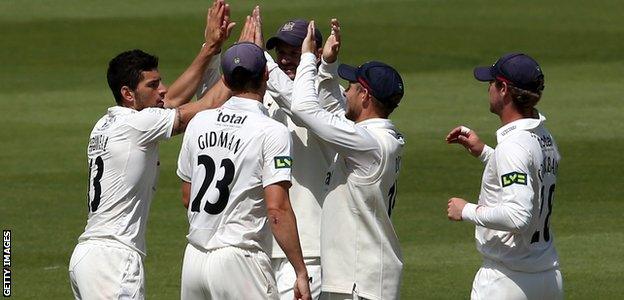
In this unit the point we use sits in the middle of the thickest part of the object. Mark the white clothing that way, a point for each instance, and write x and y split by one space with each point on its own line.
123 173
106 269
227 273
313 160
359 247
285 277
515 203
229 155
494 281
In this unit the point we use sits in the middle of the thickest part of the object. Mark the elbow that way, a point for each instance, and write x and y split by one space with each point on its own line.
522 221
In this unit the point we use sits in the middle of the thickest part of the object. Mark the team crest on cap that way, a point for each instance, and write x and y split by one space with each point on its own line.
288 26
237 60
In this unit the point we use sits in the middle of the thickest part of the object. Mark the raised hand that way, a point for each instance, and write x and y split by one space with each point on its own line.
466 137
252 31
309 43
218 24
332 45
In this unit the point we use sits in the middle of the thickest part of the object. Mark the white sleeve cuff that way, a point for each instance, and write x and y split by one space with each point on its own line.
308 56
469 213
329 68
271 64
485 154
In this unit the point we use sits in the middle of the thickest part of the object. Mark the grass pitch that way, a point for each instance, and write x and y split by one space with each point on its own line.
53 57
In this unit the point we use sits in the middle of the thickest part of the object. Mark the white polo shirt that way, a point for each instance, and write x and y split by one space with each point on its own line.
123 173
359 247
516 199
312 155
229 155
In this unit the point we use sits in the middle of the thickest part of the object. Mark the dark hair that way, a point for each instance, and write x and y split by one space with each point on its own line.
524 100
125 70
242 80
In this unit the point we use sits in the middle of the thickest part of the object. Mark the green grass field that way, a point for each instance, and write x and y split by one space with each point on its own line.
53 57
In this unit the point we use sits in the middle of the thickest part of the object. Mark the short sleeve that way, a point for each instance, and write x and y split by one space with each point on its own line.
185 164
277 161
152 124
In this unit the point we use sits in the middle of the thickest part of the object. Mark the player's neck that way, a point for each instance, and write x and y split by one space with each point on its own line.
249 95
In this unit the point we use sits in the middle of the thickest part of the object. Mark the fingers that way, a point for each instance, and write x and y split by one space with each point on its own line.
311 28
335 29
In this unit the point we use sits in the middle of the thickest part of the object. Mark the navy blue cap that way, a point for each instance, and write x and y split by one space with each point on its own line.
382 80
517 69
292 33
243 55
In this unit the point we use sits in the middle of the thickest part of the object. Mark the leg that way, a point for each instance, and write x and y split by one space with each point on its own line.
102 271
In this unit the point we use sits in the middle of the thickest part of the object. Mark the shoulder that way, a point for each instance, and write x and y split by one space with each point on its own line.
148 117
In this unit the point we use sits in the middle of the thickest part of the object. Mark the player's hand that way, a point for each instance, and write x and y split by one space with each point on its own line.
309 43
301 290
466 137
252 31
332 45
455 207
218 25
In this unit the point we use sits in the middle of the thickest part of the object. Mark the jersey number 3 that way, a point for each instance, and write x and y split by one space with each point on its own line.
97 187
221 185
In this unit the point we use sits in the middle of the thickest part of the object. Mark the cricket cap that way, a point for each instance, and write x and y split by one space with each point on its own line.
382 80
292 33
244 55
517 69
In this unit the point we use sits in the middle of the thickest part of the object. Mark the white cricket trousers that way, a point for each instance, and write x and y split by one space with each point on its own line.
285 276
227 273
102 269
495 281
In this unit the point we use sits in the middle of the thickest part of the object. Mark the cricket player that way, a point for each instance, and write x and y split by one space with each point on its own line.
512 216
123 161
313 158
235 164
361 257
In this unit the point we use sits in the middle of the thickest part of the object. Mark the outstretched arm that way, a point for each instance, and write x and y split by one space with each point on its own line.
218 28
342 134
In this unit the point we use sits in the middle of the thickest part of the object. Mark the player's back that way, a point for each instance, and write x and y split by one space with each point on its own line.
359 243
123 173
530 250
229 155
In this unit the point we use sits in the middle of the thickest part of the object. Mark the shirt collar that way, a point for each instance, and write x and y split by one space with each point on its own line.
120 110
376 122
246 104
521 124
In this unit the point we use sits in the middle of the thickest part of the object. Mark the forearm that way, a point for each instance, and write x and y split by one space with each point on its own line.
279 85
330 93
183 89
486 154
214 98
284 228
505 217
339 132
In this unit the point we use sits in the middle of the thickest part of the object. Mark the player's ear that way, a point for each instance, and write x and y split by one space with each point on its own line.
266 74
127 94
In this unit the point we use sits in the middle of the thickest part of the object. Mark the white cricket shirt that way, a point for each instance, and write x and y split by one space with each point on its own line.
123 173
313 159
229 155
517 194
359 247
